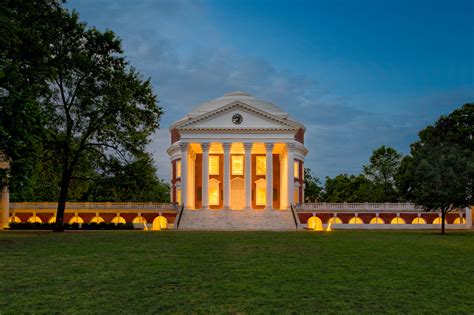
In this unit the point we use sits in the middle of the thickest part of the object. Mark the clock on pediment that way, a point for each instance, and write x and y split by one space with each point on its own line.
237 119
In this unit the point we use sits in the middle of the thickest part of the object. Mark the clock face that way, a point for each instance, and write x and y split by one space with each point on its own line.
237 119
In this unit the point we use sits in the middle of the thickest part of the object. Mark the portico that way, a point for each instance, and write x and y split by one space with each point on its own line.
237 153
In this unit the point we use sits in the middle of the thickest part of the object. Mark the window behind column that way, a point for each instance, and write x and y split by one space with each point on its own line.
261 165
296 169
237 165
213 165
178 168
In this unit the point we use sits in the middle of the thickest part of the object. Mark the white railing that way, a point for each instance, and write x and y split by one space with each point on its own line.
95 205
345 206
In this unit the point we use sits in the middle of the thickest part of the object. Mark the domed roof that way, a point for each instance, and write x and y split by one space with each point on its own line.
237 96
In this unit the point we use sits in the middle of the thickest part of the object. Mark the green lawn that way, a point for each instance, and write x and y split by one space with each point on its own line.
237 272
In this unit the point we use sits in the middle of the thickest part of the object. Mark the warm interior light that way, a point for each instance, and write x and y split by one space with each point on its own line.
35 219
314 223
118 219
178 168
237 165
418 221
438 221
397 220
459 220
356 220
376 220
52 220
76 219
139 220
296 195
335 220
296 169
97 219
160 223
214 192
261 165
178 195
213 165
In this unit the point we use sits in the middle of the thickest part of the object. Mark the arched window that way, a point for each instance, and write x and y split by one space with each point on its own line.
76 219
356 220
97 219
14 219
438 221
35 219
160 223
335 220
397 220
52 219
139 220
315 223
459 220
418 221
376 220
118 219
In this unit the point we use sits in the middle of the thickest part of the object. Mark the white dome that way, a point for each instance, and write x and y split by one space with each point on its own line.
237 96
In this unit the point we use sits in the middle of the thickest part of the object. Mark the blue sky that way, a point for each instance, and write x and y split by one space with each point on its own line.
358 74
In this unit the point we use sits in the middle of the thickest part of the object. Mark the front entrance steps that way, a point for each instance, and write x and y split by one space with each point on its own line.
237 220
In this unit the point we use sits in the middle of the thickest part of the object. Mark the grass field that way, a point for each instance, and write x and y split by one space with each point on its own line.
237 272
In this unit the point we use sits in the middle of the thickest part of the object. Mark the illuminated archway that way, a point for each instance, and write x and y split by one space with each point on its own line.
398 220
315 223
14 219
139 220
335 220
76 219
160 223
460 220
118 219
356 220
438 221
97 219
34 219
376 220
418 221
52 219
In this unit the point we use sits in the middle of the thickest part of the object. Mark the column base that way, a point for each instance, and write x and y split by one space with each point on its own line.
268 208
205 208
248 208
226 208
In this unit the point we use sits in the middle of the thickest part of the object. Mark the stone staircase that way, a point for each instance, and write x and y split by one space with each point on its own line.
237 220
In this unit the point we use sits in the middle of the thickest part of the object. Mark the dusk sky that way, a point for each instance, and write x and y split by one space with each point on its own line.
358 74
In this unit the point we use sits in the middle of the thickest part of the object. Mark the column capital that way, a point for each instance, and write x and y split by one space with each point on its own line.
290 146
183 146
226 146
269 146
205 146
248 146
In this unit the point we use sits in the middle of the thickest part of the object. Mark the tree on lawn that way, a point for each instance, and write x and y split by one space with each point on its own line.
99 106
439 173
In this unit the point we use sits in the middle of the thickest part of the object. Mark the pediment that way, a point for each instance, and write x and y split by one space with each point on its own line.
237 115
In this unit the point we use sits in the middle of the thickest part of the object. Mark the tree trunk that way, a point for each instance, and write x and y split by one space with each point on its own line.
443 216
65 180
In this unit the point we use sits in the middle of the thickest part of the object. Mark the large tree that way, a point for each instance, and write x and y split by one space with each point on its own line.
351 188
313 189
439 173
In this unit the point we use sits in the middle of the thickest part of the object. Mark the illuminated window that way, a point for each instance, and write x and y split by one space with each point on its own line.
14 219
261 197
160 223
296 169
296 195
397 220
418 221
34 219
214 192
237 165
335 220
213 165
178 168
139 219
97 219
356 220
76 219
178 195
438 221
118 219
52 220
459 221
315 223
376 220
261 163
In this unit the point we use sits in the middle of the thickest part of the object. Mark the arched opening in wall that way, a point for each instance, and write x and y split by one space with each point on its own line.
34 219
459 220
376 220
356 220
76 219
139 220
118 220
97 219
335 220
315 223
438 221
418 221
160 223
397 220
52 220
14 219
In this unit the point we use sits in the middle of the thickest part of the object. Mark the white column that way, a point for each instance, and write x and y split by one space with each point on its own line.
290 158
5 207
269 176
468 217
184 146
248 175
192 180
226 147
205 175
